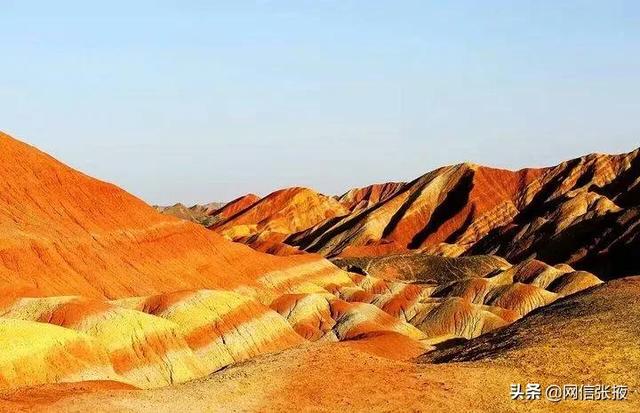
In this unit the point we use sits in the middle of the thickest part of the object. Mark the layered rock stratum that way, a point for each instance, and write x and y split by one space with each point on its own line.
64 233
580 339
584 212
108 305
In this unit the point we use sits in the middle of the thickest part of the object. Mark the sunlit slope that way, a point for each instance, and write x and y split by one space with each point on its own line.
587 338
584 212
145 341
62 232
362 198
158 340
34 353
279 214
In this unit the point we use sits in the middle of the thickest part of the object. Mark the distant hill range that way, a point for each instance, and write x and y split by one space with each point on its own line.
584 212
200 214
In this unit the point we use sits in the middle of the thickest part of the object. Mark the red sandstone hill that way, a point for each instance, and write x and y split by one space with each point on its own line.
435 208
62 232
585 212
280 214
237 205
362 198
460 202
96 285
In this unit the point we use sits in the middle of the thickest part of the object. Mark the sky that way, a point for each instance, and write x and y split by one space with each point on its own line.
199 101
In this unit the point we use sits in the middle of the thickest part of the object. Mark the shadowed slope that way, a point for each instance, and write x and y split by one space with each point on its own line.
596 329
586 213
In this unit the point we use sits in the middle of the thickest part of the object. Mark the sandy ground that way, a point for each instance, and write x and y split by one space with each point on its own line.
333 377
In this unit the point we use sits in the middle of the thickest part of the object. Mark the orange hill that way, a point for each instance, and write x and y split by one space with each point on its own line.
280 214
362 198
235 206
444 205
585 212
63 232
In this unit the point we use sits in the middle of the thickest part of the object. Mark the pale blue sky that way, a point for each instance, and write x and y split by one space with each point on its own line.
202 100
